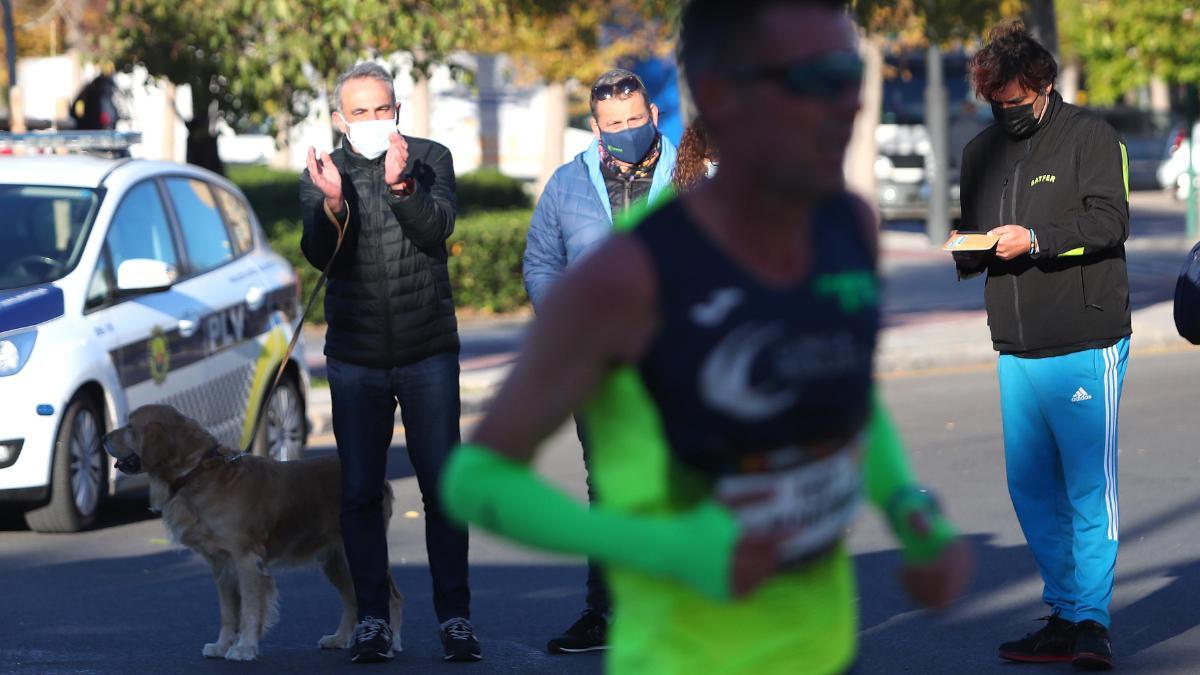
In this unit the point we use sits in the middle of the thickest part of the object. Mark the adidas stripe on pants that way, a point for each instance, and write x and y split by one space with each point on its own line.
1060 453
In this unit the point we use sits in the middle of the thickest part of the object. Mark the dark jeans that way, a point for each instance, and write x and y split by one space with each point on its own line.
597 590
364 407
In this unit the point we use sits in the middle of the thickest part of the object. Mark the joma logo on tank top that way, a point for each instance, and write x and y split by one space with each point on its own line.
727 378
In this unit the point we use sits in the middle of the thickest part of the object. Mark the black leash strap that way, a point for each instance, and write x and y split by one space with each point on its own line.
312 298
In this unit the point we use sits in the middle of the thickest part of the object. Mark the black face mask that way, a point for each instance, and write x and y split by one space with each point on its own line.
1018 121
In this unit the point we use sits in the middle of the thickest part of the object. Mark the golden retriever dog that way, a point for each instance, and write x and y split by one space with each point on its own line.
244 514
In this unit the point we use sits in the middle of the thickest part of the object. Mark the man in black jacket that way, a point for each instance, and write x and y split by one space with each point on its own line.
1049 180
391 338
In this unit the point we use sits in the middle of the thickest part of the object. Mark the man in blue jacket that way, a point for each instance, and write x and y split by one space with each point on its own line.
628 161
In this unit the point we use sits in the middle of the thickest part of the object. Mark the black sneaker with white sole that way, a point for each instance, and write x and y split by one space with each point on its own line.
1054 643
372 641
588 634
1093 648
459 641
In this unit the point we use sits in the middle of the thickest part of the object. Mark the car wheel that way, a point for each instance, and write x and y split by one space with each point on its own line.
77 476
283 430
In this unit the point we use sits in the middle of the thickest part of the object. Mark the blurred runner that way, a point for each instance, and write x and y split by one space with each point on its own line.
723 348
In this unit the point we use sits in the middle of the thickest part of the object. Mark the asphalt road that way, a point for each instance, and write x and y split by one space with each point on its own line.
120 599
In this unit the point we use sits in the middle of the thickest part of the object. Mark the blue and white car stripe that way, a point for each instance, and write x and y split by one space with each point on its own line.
29 307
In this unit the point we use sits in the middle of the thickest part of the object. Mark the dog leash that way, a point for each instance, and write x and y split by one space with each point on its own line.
312 298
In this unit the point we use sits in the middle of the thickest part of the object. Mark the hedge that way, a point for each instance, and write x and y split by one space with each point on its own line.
485 249
485 260
490 190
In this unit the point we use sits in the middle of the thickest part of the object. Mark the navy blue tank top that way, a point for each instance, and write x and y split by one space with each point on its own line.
738 368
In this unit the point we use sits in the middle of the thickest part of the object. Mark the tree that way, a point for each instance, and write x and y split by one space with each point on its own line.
299 47
253 62
194 42
430 31
1125 44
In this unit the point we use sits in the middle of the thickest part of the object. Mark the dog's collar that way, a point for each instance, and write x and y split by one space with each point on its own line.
212 453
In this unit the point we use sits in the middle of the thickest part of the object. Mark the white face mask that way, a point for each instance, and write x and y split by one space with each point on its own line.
710 169
370 138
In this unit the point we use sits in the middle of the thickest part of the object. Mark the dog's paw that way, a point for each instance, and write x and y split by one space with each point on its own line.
214 650
336 641
242 653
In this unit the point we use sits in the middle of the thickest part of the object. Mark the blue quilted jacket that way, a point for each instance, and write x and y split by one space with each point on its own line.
574 214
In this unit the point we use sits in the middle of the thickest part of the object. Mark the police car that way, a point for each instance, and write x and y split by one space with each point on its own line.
125 282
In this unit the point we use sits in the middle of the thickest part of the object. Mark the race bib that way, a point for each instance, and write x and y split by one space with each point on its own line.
815 500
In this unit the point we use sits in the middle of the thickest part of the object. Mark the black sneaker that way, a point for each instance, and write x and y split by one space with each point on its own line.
1055 642
588 634
372 641
459 641
1093 649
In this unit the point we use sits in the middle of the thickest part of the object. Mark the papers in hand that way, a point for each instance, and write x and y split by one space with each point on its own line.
969 241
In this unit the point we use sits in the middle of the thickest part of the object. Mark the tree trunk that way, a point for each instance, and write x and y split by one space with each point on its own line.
10 49
1160 96
863 151
421 105
170 117
1068 81
937 224
1042 24
489 111
555 126
283 141
202 137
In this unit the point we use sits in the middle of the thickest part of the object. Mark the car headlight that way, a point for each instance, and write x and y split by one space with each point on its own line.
15 350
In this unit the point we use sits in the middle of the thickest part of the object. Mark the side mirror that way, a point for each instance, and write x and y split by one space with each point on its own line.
143 275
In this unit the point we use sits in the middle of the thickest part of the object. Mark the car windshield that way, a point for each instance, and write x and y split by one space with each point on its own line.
42 232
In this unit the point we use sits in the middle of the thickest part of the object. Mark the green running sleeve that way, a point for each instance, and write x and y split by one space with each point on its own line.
504 496
913 513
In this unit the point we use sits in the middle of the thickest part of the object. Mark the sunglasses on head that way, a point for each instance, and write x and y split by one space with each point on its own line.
827 75
622 88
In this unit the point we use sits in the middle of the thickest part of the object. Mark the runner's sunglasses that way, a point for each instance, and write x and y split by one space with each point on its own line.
622 88
827 75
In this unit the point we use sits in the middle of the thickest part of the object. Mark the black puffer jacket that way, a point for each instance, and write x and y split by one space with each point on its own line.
387 298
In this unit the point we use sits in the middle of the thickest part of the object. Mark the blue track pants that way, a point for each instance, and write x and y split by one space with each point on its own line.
1060 451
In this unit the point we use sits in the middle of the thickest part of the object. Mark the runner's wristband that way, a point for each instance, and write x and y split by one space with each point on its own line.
504 496
914 516
916 519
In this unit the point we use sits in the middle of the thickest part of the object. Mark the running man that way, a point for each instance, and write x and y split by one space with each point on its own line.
722 349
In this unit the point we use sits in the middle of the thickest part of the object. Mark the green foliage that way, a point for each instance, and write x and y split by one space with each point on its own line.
274 194
267 60
560 40
485 263
1124 44
912 23
487 190
485 249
